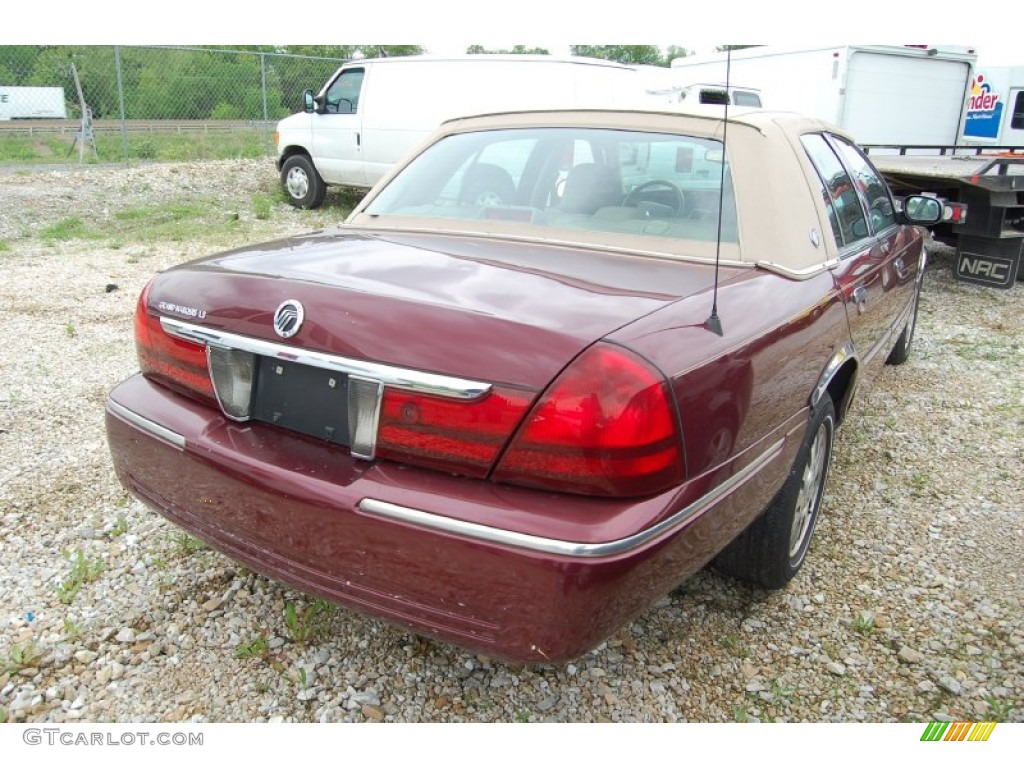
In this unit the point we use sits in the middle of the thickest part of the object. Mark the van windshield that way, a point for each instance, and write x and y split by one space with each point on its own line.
626 182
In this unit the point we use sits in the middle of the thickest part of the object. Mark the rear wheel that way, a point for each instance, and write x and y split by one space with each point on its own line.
302 184
770 552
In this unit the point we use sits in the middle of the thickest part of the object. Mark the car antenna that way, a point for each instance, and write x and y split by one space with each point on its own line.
713 323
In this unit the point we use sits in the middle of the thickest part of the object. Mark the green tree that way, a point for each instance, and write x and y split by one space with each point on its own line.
516 49
626 54
675 52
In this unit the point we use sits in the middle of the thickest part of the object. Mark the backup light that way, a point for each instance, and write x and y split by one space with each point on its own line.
233 373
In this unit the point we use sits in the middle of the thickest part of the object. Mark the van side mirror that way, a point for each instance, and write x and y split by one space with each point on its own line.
308 101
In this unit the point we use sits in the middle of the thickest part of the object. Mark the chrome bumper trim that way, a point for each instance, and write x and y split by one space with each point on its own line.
149 427
389 376
532 543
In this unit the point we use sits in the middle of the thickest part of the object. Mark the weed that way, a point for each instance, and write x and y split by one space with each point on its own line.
83 571
307 623
188 545
999 711
69 331
120 527
918 483
523 716
21 657
71 629
261 207
4 246
257 648
864 623
780 691
740 715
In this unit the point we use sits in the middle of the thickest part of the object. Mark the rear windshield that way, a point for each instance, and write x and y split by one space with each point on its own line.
625 182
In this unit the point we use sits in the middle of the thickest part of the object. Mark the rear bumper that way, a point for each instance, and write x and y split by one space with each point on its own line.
515 573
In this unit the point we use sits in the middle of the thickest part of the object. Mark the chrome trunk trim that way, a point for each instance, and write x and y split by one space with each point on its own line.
390 376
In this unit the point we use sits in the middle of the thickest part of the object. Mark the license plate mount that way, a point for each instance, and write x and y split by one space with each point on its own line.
303 398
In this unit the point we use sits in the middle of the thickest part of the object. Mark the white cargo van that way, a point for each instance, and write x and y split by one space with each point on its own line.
373 111
995 107
882 94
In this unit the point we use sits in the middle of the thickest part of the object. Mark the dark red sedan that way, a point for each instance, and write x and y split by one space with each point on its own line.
549 368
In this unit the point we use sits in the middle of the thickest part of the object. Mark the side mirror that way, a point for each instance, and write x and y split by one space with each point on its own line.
308 101
922 209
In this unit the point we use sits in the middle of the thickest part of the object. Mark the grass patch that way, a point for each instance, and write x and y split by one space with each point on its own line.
72 630
999 711
864 623
188 545
257 648
309 622
163 146
72 228
83 571
261 207
176 221
21 656
4 246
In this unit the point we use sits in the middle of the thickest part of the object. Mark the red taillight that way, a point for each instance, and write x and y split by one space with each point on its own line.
606 426
454 435
177 363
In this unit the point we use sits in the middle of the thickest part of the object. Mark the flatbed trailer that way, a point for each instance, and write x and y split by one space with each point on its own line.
989 180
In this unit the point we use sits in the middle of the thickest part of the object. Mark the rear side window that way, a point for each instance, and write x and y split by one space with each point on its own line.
847 216
869 184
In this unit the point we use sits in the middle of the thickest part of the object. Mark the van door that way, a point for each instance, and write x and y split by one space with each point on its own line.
1012 133
337 129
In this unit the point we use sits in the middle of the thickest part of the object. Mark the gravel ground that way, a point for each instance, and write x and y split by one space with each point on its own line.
908 609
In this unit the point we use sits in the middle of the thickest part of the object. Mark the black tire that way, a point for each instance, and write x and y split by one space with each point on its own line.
901 351
302 184
770 552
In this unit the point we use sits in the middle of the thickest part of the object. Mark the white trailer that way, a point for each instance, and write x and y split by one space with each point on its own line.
995 107
24 102
881 94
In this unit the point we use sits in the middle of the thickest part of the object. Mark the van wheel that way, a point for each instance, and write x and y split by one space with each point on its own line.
770 552
302 184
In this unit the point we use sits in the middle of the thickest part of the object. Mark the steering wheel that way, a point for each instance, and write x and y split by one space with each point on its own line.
678 202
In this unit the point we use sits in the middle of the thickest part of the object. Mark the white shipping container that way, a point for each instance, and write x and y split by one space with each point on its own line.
881 94
22 102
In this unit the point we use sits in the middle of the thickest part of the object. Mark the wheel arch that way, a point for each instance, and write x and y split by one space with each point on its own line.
290 152
839 381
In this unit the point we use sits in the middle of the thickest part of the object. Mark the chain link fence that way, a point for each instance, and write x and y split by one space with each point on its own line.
65 104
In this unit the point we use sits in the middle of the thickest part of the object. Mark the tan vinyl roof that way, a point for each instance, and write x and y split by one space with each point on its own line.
782 219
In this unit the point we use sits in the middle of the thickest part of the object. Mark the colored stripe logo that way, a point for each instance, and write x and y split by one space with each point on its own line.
958 731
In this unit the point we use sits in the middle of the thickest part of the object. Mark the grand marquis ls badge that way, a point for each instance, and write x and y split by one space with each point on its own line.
288 318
